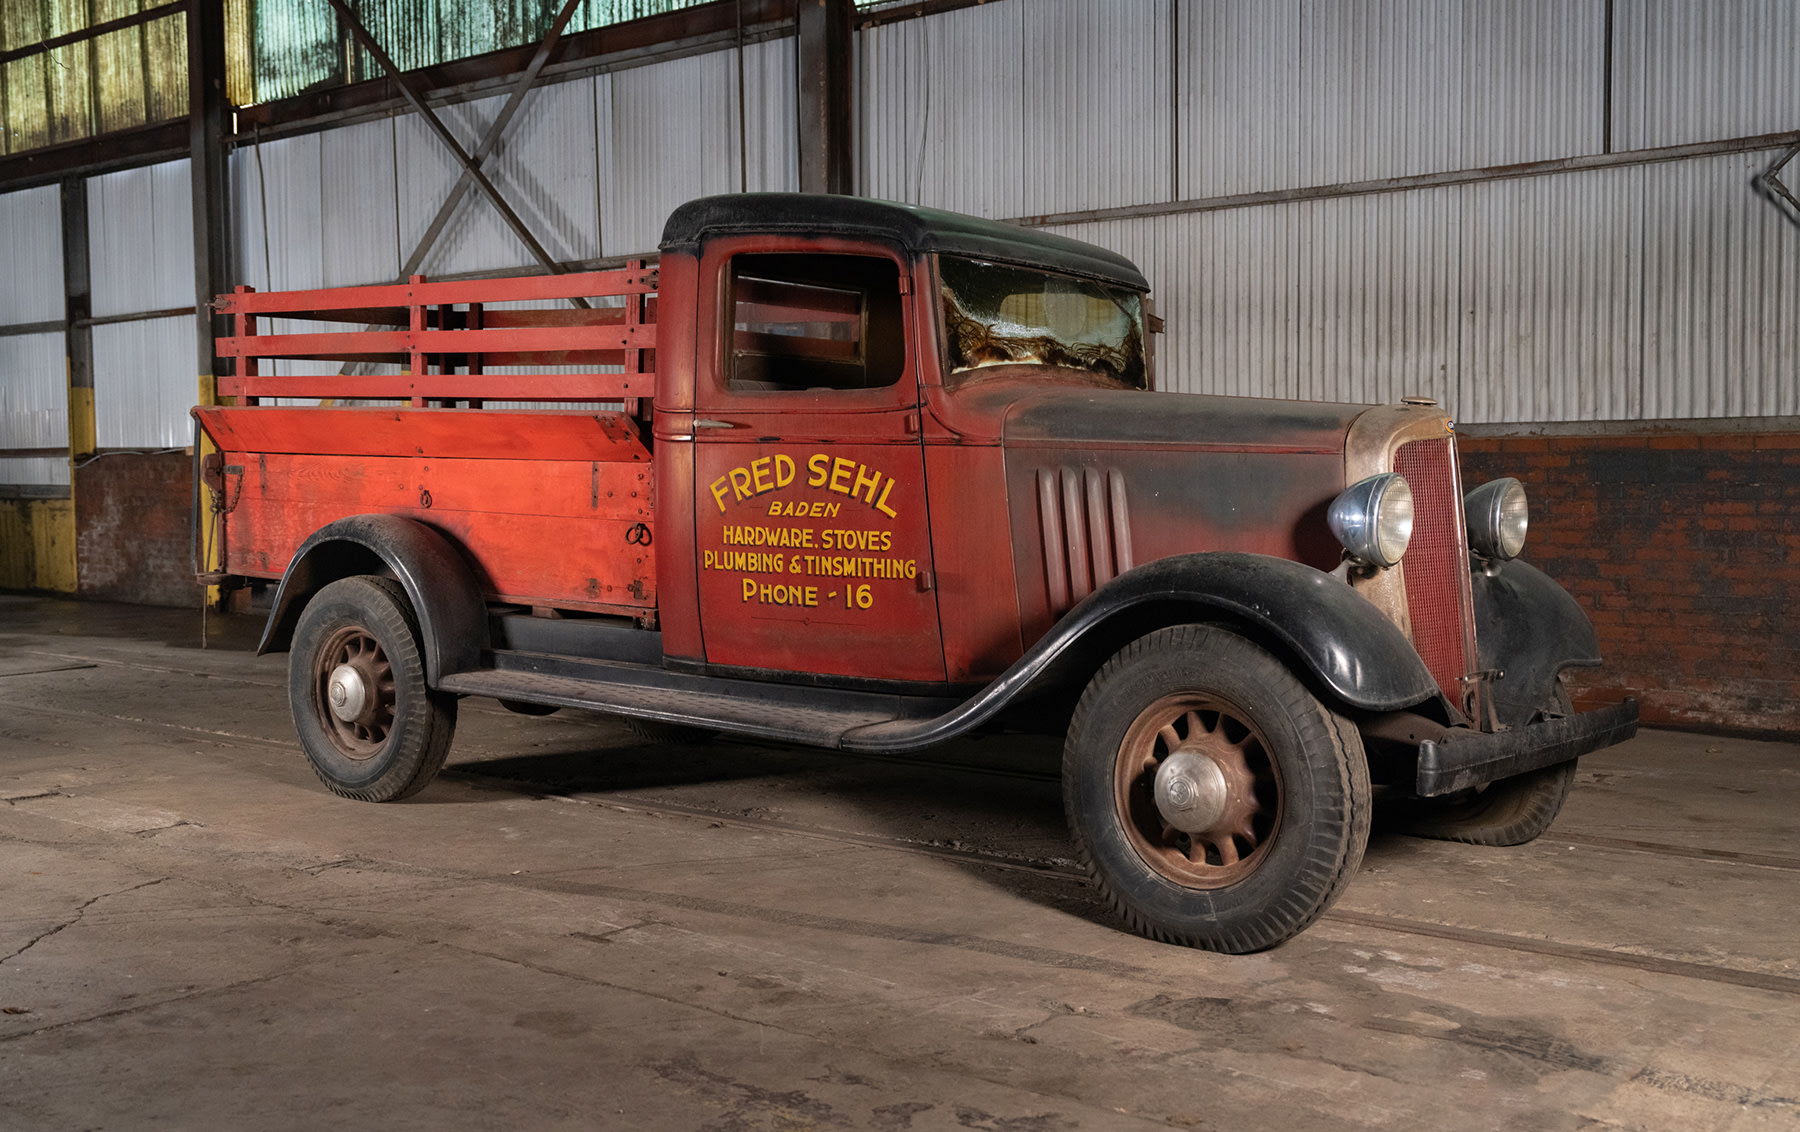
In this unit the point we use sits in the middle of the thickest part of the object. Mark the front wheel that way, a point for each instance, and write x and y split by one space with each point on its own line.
1214 800
369 726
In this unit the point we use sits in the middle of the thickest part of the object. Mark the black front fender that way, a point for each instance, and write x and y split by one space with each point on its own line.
438 582
1528 629
1336 637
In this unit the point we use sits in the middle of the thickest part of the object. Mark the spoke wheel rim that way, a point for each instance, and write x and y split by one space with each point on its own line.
1237 843
365 736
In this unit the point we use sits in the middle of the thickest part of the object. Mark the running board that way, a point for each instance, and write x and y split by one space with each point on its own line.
817 717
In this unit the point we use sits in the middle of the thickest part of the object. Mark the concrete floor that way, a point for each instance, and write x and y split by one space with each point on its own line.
571 930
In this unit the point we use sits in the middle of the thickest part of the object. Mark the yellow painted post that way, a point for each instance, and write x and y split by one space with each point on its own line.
59 560
53 527
53 544
212 559
17 555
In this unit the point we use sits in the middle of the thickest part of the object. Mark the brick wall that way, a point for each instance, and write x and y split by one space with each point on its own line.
1684 548
132 530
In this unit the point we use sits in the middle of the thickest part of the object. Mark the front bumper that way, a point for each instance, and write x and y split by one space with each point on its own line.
1476 758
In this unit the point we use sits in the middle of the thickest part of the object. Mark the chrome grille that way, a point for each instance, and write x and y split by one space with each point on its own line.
1438 598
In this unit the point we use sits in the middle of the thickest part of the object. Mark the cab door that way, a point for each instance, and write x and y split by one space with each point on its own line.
813 534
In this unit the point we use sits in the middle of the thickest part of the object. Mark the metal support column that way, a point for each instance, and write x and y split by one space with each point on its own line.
207 111
78 334
824 28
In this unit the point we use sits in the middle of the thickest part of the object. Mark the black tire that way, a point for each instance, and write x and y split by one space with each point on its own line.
1294 821
659 734
397 743
1511 811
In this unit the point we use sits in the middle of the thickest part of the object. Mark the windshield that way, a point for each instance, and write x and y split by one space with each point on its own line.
996 315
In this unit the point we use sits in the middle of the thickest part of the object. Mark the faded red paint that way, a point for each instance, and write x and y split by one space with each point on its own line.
901 531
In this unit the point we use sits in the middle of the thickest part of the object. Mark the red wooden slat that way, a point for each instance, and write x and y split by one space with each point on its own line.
453 386
582 284
397 431
364 343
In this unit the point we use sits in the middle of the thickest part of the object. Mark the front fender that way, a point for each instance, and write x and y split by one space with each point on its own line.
1528 629
1340 640
438 582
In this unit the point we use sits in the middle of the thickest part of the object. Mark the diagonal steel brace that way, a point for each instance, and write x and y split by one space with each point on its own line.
491 139
1770 182
436 125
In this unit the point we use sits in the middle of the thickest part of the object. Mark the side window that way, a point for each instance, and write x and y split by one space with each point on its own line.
809 321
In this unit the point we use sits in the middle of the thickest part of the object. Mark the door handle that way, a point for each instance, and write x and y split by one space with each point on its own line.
715 424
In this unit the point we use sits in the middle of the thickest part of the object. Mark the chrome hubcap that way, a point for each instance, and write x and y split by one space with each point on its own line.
1191 792
348 692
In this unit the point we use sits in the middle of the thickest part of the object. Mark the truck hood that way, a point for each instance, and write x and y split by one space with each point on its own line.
1100 480
1061 415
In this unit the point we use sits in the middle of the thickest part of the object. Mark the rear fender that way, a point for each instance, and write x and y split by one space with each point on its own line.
438 583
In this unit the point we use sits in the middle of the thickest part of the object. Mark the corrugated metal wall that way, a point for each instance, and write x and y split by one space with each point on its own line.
1651 290
1645 291
141 259
593 166
33 377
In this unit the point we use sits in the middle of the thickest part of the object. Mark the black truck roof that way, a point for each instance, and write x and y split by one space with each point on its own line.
914 228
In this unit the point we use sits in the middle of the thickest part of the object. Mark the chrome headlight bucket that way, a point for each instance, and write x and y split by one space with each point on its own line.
1497 515
1373 518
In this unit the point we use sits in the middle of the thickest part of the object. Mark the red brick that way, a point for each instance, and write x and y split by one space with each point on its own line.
1729 441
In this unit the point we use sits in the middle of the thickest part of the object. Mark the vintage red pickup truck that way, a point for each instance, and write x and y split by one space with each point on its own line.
867 476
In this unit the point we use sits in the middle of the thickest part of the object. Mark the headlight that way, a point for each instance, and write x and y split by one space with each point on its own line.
1497 517
1374 518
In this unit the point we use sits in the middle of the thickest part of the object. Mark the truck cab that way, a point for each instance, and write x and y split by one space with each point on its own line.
876 476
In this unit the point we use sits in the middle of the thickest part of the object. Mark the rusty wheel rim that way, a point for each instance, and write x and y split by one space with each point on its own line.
1234 845
364 736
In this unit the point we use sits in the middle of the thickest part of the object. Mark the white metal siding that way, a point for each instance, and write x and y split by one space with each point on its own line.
1381 90
1722 293
942 119
357 186
1695 70
31 282
278 182
1532 80
1238 94
1659 290
141 240
33 405
144 383
669 133
1279 94
1095 95
544 168
1551 289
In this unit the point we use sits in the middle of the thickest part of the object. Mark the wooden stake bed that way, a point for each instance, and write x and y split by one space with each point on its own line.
553 504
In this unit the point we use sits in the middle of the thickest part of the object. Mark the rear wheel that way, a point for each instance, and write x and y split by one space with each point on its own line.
1511 811
1214 800
356 687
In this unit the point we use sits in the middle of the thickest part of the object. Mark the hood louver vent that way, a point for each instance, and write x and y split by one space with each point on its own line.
1086 529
